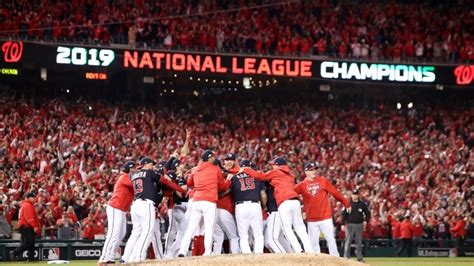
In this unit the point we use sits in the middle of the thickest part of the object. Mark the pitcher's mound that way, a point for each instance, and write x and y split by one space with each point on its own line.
260 259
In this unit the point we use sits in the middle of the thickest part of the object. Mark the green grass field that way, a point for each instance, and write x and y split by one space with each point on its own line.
370 261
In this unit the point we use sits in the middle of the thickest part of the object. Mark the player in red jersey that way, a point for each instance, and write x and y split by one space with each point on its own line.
287 200
117 208
316 190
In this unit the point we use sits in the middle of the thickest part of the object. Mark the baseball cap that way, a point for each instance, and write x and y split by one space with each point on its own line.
206 155
128 165
355 192
279 161
230 156
245 163
146 160
172 175
175 163
30 195
161 164
310 166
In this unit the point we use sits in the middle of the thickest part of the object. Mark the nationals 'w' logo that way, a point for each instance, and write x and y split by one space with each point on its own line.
313 189
12 51
464 74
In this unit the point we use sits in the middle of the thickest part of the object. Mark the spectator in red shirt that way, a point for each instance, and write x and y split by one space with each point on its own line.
406 235
458 232
417 229
88 227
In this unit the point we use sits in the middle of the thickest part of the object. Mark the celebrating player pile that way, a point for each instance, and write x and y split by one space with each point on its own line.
211 202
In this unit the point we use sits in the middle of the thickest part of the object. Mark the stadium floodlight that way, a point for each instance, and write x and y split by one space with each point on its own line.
410 105
44 74
246 83
67 91
399 106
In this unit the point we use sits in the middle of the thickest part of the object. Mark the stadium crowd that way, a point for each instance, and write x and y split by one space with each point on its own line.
417 162
396 30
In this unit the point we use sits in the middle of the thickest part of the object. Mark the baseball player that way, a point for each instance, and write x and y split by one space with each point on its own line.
247 193
145 183
225 222
117 208
156 237
275 241
206 179
177 222
287 200
315 190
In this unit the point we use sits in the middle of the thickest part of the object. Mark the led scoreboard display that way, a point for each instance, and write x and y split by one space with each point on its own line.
103 63
80 56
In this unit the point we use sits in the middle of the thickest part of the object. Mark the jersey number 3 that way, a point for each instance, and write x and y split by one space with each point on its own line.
247 184
138 185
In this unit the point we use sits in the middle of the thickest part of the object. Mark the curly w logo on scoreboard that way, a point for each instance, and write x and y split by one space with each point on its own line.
12 51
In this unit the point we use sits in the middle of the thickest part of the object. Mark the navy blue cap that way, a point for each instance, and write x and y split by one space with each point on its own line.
279 161
146 160
161 164
128 165
355 192
230 156
245 163
206 155
175 163
218 163
310 166
172 175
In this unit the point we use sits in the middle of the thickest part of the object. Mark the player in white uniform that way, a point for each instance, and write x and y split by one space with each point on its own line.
117 207
206 179
225 221
145 184
275 240
248 193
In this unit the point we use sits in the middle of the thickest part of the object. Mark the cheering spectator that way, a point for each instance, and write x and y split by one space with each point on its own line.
442 231
406 235
458 231
65 228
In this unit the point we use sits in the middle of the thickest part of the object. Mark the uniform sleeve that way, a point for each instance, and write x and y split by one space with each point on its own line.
126 180
258 175
171 184
222 184
336 194
344 215
457 227
190 181
299 188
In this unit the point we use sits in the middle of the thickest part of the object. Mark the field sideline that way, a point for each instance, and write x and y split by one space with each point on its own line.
369 261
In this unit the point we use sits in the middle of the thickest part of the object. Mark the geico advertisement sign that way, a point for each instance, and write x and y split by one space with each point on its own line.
87 252
390 72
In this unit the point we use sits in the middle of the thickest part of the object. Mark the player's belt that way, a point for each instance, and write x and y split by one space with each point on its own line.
246 201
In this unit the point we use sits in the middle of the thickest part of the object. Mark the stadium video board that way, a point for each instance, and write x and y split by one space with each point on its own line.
99 63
